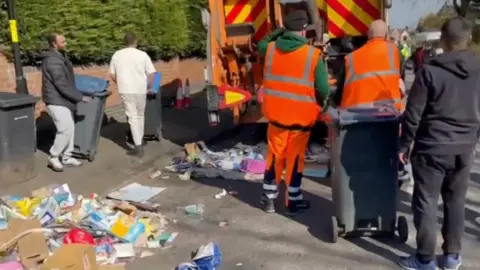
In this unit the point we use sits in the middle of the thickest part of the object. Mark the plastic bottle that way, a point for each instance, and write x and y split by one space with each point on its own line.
194 209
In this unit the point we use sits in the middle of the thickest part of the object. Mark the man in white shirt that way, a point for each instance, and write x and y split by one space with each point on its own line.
132 70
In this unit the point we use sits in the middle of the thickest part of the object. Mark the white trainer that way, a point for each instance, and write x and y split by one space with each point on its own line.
71 162
55 164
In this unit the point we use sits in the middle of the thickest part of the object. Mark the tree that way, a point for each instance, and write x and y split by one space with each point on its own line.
95 28
461 6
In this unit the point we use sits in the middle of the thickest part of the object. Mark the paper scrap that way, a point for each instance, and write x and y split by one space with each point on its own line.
221 194
135 192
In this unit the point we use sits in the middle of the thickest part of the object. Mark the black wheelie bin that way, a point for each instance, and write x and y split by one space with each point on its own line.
17 138
89 116
364 157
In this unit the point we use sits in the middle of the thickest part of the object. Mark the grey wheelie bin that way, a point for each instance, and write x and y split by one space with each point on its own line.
364 158
89 116
17 138
153 112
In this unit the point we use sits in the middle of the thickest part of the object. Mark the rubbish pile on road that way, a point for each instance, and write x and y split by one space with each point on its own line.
55 229
245 163
239 163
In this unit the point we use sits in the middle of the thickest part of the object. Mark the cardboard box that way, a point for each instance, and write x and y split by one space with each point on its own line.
32 247
72 257
112 267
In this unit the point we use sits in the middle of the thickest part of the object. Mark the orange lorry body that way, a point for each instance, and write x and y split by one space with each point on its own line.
237 25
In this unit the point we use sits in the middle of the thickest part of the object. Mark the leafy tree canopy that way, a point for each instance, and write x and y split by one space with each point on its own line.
95 28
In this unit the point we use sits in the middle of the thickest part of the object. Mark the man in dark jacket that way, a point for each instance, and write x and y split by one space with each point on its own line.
61 98
442 120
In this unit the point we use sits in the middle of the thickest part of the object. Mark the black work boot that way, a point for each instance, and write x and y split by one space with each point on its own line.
298 206
137 151
268 205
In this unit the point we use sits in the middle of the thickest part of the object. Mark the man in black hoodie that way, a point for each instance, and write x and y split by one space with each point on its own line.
442 120
61 97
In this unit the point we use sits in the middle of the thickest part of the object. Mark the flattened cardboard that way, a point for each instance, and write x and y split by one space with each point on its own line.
32 248
72 257
112 267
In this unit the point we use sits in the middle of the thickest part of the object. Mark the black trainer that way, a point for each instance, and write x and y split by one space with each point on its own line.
298 206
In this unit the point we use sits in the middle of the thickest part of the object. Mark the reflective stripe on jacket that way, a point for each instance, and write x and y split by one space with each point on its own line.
372 76
289 97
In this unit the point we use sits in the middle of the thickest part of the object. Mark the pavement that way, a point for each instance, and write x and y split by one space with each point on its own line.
252 239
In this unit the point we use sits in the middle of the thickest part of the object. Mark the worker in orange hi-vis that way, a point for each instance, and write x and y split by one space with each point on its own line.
372 73
295 84
372 78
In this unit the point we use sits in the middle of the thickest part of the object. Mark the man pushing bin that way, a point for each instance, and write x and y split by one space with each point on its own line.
61 97
133 72
295 83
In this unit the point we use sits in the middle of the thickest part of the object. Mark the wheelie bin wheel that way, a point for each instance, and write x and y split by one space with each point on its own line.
91 156
334 229
402 227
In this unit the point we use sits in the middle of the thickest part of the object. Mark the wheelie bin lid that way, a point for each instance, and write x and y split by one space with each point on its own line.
363 115
91 85
157 78
10 100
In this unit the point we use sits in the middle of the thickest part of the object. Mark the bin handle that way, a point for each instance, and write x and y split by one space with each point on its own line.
384 111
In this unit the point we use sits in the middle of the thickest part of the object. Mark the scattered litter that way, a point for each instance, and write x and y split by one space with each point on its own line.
155 174
207 257
186 175
317 172
135 192
194 209
223 224
55 229
146 253
241 163
239 264
124 250
165 177
221 194
233 192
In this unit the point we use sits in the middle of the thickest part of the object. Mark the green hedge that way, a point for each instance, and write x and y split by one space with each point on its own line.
95 28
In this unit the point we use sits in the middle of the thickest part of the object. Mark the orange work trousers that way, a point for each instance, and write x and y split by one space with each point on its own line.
286 151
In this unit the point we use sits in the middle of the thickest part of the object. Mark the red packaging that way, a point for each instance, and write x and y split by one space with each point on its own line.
78 236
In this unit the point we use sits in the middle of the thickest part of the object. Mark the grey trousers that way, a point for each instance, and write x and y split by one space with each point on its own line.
65 124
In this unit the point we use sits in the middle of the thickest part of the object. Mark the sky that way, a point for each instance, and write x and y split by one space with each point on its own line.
408 12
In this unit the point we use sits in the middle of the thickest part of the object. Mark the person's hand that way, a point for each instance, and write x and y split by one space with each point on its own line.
86 99
402 157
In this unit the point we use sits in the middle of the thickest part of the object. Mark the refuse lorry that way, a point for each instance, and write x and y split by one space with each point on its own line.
234 70
363 147
89 115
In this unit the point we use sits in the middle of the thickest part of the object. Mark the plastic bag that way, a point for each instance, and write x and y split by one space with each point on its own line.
78 236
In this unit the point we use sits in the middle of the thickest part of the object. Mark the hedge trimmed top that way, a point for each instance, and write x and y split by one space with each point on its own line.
94 28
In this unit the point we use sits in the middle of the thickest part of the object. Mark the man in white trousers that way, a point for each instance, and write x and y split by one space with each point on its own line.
61 98
132 70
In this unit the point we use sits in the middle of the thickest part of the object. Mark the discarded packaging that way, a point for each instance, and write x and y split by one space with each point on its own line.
221 194
155 174
207 257
56 230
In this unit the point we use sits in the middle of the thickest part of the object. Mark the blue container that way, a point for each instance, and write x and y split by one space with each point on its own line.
157 78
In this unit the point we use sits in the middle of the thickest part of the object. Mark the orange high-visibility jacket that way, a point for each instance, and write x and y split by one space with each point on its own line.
289 97
372 76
